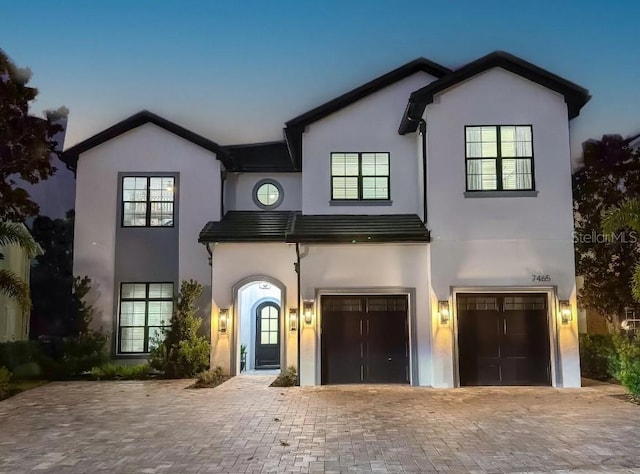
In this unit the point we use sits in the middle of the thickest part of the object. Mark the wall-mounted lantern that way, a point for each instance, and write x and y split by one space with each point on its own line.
308 311
293 319
566 314
443 312
223 320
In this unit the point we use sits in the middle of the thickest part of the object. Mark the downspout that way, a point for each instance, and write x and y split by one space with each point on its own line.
297 268
422 130
223 178
423 133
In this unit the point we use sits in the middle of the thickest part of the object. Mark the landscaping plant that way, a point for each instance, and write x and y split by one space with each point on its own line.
287 378
626 363
121 372
181 352
5 378
211 378
596 353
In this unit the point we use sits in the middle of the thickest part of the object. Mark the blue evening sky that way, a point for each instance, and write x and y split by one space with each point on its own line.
234 71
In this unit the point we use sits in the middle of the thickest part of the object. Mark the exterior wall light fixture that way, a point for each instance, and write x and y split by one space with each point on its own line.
223 320
308 311
443 312
565 312
293 319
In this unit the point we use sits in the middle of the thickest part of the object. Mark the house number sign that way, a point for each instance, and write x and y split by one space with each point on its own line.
539 277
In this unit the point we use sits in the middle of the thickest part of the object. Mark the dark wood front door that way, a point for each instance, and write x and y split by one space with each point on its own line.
268 336
503 339
365 339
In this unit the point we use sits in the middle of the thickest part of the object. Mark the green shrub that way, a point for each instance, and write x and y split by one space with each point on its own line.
626 363
70 357
17 353
121 372
181 352
287 378
211 378
596 353
5 378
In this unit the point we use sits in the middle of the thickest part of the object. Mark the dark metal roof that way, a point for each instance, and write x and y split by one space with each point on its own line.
291 226
575 96
266 157
295 127
70 156
248 226
358 228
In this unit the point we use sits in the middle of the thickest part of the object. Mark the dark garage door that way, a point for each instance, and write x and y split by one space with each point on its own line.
503 339
365 339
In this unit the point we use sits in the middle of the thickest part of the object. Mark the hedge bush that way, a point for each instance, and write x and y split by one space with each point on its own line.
597 352
287 378
121 372
211 378
5 378
626 363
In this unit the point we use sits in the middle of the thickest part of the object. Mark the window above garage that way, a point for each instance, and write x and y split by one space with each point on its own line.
499 158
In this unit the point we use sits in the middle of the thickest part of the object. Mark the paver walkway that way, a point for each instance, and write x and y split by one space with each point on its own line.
245 426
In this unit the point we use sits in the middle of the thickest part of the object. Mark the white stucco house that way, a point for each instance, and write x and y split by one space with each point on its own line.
417 229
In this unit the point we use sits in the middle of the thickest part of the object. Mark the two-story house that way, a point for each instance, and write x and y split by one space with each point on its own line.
417 229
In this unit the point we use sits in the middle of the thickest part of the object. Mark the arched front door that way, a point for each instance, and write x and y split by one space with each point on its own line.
268 336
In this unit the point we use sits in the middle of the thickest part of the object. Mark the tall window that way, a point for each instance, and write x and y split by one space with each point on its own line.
499 158
359 176
145 310
147 201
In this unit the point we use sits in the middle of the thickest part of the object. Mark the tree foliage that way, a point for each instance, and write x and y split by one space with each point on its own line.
27 143
12 284
54 311
611 174
182 352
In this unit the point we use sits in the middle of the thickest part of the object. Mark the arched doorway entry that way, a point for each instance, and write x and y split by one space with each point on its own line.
258 337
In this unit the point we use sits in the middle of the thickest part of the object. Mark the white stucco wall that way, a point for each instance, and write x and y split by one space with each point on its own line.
369 125
145 149
235 263
365 268
502 241
239 191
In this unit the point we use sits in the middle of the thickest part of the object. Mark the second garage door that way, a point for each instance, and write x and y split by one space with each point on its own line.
503 339
365 339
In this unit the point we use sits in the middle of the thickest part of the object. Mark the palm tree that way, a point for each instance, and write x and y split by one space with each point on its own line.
11 284
625 215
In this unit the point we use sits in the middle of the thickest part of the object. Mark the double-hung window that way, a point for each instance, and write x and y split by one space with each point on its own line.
359 176
145 310
499 158
148 201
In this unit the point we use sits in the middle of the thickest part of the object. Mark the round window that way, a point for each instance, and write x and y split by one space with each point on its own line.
267 194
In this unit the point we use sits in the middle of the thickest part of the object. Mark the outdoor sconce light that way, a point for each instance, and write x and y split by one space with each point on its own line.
565 312
443 311
308 311
223 319
293 319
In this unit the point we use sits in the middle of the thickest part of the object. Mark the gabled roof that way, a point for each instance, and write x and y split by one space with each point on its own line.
295 127
265 157
575 96
70 156
291 226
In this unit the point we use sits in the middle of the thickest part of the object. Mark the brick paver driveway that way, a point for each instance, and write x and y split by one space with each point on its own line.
245 426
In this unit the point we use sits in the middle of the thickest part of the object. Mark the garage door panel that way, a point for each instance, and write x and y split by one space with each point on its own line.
364 339
344 345
507 345
386 347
